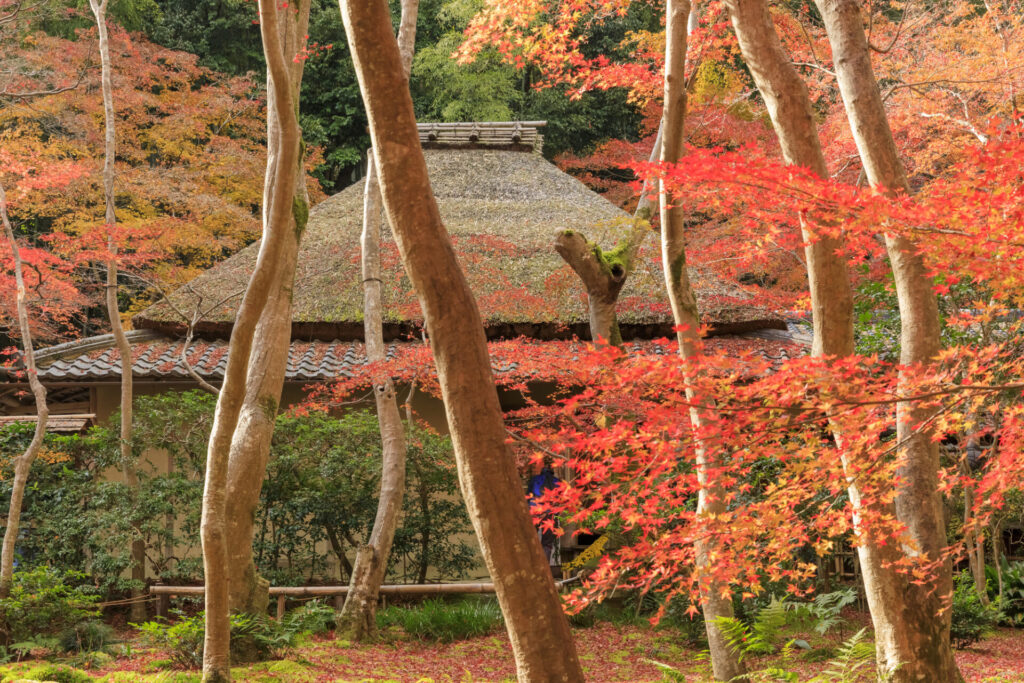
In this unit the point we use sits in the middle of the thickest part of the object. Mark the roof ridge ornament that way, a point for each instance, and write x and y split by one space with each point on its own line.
507 135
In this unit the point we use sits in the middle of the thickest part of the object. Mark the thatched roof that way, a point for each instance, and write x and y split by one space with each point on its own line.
502 209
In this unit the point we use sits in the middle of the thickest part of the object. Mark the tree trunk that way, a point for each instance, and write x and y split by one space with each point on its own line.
604 274
789 107
785 97
974 539
22 464
537 626
996 534
603 278
358 620
710 499
138 554
250 444
912 633
284 219
425 537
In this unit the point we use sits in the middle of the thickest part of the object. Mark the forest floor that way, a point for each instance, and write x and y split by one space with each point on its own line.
607 651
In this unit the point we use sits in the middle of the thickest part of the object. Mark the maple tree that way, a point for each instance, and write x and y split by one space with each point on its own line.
189 157
553 36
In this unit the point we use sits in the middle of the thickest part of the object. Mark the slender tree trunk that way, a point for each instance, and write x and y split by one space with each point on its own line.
996 534
284 219
537 626
912 633
138 570
250 444
710 499
358 618
23 463
425 537
974 539
785 97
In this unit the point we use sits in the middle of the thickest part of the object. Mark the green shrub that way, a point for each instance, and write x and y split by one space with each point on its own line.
88 636
253 638
972 619
314 617
183 640
1012 603
443 621
42 603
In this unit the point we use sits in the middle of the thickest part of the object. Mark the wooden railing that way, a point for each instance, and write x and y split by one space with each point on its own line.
282 593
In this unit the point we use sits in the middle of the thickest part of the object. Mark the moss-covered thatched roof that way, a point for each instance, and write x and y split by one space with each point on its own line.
503 210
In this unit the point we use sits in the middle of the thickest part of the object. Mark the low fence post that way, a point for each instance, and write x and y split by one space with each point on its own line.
280 606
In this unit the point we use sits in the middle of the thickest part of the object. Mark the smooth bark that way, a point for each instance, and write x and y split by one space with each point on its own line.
911 621
786 99
358 618
284 217
974 539
537 626
250 444
725 663
23 463
138 554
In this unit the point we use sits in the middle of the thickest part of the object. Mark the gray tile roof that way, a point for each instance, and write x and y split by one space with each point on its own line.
158 357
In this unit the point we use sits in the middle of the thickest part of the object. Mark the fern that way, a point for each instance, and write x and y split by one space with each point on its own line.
853 657
739 637
762 636
669 674
770 621
828 606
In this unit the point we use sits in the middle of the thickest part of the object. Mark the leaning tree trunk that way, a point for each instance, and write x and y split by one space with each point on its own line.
138 554
250 444
725 663
358 618
785 97
537 626
23 463
284 219
912 633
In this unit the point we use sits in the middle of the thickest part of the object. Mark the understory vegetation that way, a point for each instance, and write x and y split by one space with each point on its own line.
316 506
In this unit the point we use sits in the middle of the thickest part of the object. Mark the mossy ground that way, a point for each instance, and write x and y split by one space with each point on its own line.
608 652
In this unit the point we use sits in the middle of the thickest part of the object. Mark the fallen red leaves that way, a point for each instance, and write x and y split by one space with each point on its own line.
609 653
